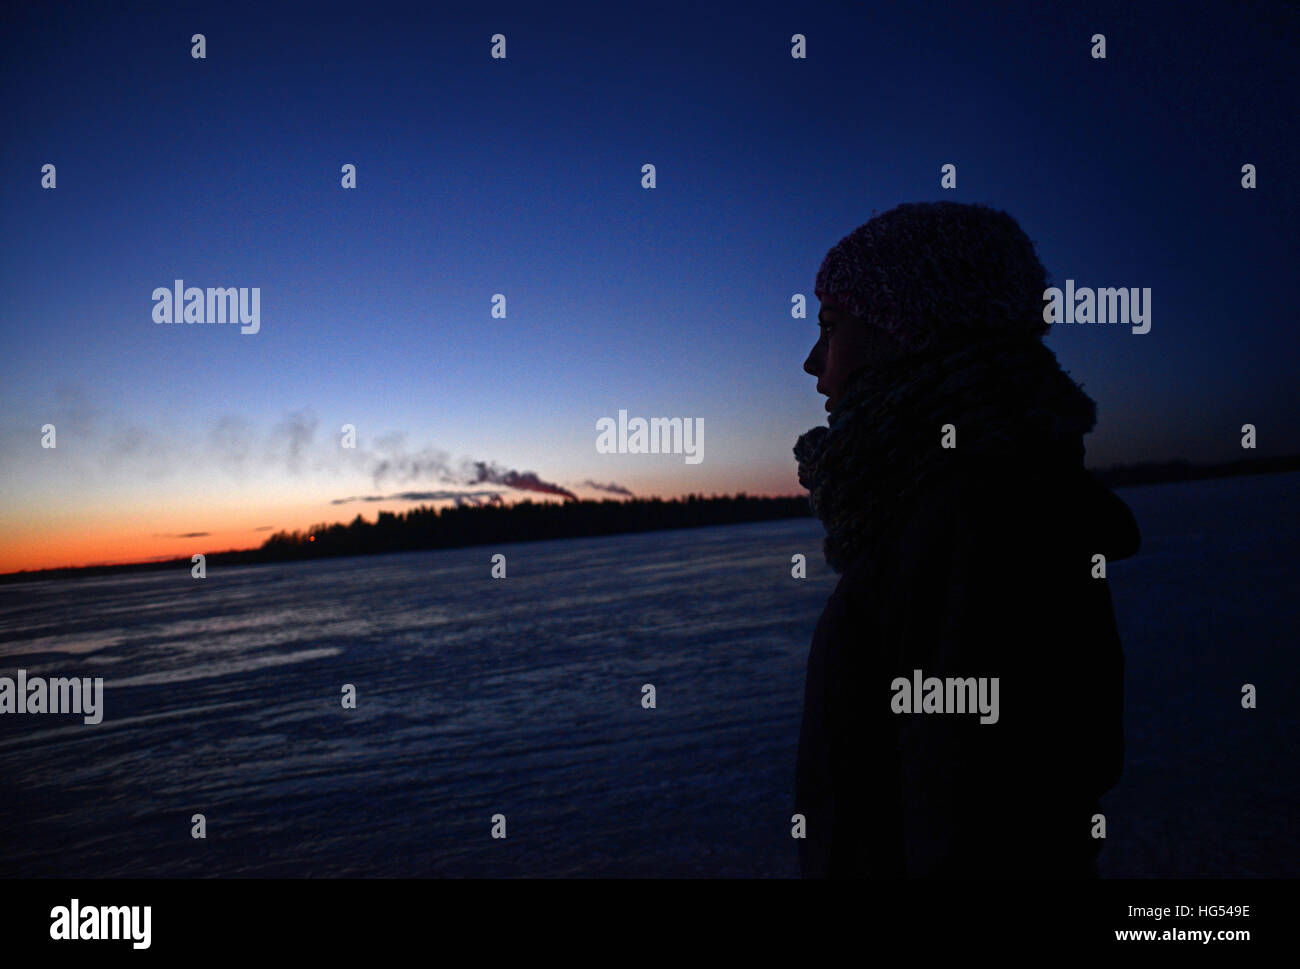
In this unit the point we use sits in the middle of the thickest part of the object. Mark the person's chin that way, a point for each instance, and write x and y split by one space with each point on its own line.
828 405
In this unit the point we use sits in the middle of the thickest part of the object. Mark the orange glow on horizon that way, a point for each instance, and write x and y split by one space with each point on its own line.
108 537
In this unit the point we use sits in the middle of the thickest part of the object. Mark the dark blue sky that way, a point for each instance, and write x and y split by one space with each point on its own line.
478 176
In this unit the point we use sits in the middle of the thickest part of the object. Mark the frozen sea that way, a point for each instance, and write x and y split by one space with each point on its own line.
522 697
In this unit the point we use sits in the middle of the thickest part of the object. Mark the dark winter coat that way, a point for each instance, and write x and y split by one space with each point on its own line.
986 570
957 511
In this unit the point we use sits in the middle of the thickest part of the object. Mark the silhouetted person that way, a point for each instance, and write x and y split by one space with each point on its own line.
969 561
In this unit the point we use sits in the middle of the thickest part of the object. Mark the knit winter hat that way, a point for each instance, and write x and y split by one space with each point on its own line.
928 271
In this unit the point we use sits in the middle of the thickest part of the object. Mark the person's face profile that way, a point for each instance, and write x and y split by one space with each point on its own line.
844 345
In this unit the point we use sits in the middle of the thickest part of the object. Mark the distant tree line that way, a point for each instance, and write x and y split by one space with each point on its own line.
456 526
1161 472
453 527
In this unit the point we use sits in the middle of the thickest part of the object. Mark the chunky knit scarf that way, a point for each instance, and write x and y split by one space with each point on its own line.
1007 397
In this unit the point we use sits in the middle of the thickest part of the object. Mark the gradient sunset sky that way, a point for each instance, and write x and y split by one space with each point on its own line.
522 176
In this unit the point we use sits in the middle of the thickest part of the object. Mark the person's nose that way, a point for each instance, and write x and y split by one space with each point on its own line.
813 365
